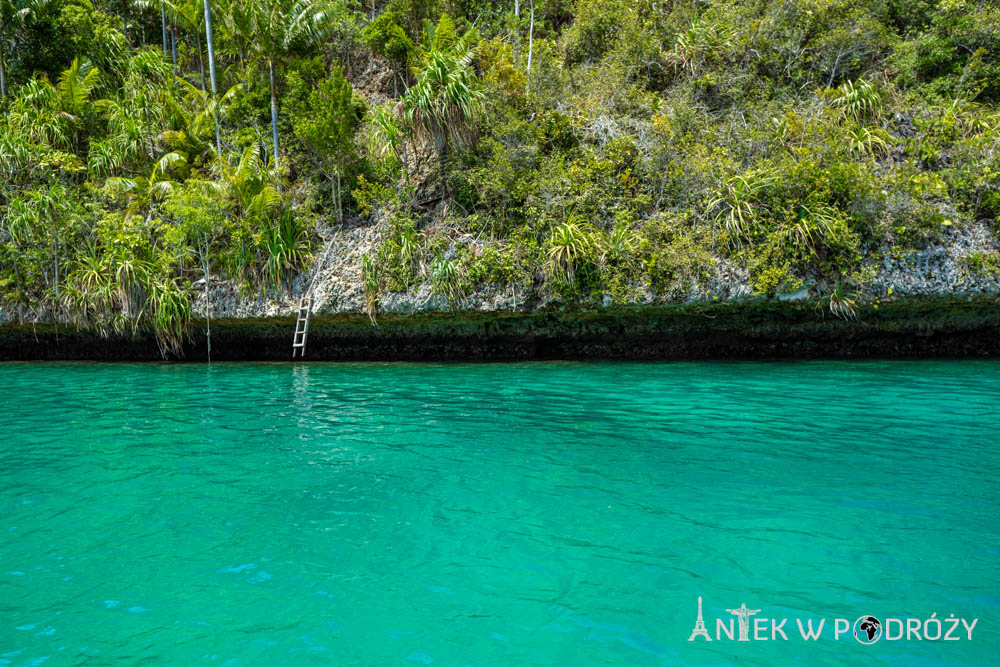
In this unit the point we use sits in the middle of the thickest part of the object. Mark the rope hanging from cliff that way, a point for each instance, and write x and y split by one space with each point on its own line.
320 265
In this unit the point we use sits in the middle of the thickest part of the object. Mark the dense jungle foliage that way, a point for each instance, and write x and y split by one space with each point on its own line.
582 147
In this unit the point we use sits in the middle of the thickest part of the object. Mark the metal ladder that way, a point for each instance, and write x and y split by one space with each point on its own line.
302 326
306 306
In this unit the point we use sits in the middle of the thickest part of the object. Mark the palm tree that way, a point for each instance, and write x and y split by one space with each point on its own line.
13 15
187 15
277 25
192 115
75 86
53 114
250 185
146 189
237 21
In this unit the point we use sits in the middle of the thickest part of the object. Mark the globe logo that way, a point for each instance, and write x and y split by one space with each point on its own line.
867 629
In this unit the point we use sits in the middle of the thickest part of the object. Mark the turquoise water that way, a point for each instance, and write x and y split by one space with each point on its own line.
545 514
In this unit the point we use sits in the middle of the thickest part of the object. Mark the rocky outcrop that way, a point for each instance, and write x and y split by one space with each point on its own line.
937 270
927 302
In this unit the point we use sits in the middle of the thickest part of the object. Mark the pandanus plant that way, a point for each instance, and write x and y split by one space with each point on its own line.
568 243
738 206
859 100
55 114
444 103
116 290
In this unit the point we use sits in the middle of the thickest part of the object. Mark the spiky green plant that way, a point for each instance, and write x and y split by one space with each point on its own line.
738 206
696 44
286 247
619 244
409 246
813 222
444 103
445 279
132 275
840 302
567 244
33 116
859 101
90 292
370 282
868 142
170 314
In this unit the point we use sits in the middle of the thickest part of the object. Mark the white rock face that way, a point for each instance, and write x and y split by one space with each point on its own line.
938 269
935 270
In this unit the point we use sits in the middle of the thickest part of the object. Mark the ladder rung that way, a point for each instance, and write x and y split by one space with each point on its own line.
302 326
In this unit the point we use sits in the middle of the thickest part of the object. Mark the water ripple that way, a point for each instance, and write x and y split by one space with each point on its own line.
563 514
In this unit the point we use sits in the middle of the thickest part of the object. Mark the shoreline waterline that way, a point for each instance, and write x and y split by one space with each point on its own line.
955 327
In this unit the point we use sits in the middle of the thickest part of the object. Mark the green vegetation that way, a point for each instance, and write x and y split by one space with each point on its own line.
578 148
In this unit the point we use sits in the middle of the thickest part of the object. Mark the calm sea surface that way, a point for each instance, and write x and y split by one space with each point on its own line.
525 514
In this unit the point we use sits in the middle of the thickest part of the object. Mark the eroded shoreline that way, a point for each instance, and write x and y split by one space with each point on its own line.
953 327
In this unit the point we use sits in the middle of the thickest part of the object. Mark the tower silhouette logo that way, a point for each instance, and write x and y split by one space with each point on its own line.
699 626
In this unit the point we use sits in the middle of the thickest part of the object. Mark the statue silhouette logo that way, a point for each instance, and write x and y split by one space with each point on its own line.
743 615
867 629
699 626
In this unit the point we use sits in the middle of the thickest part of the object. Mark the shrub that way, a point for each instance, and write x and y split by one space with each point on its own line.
568 246
982 263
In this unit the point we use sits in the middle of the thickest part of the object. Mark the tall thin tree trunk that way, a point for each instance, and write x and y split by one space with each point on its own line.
340 207
208 297
531 40
442 165
56 257
406 172
173 48
211 72
3 70
163 24
274 109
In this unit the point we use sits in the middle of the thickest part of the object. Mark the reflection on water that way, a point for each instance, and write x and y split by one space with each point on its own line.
559 514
